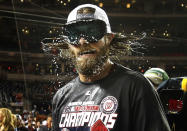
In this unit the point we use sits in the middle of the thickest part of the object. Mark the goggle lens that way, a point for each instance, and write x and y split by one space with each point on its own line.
92 31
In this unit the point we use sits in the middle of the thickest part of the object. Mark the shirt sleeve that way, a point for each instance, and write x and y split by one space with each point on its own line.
147 111
54 114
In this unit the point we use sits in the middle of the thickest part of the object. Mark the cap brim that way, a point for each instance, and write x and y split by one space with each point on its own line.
81 20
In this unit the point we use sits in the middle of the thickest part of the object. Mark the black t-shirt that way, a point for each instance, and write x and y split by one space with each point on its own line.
124 100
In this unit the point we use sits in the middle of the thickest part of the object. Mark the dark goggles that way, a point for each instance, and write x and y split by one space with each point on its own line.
92 31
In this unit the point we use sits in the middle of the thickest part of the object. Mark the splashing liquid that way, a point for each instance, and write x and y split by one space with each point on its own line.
57 49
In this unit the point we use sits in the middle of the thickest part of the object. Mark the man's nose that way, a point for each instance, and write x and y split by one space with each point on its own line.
83 41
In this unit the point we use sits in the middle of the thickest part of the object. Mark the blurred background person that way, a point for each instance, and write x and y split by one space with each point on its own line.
30 126
48 125
30 122
156 76
20 124
6 120
37 126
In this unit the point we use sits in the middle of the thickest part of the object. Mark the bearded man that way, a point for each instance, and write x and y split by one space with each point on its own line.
105 96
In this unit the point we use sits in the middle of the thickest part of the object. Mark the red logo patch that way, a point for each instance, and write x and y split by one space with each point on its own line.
99 126
175 105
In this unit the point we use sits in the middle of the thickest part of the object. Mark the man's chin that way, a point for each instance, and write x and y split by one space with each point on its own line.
91 66
87 67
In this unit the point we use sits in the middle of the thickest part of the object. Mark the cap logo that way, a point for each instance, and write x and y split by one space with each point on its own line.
85 13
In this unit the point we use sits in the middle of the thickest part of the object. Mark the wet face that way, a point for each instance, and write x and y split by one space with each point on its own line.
89 58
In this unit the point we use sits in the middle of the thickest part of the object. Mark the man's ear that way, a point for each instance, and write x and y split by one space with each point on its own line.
109 37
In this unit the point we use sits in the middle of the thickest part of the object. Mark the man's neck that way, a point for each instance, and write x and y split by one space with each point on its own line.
103 73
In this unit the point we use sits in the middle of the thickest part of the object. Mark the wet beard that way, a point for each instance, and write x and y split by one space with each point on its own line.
94 65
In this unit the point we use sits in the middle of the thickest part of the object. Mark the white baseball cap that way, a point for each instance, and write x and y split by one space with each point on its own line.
88 12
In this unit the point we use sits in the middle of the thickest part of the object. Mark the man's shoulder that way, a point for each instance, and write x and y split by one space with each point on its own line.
61 91
132 77
68 85
131 74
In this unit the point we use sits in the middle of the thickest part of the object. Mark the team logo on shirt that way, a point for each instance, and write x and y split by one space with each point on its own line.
89 114
109 105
